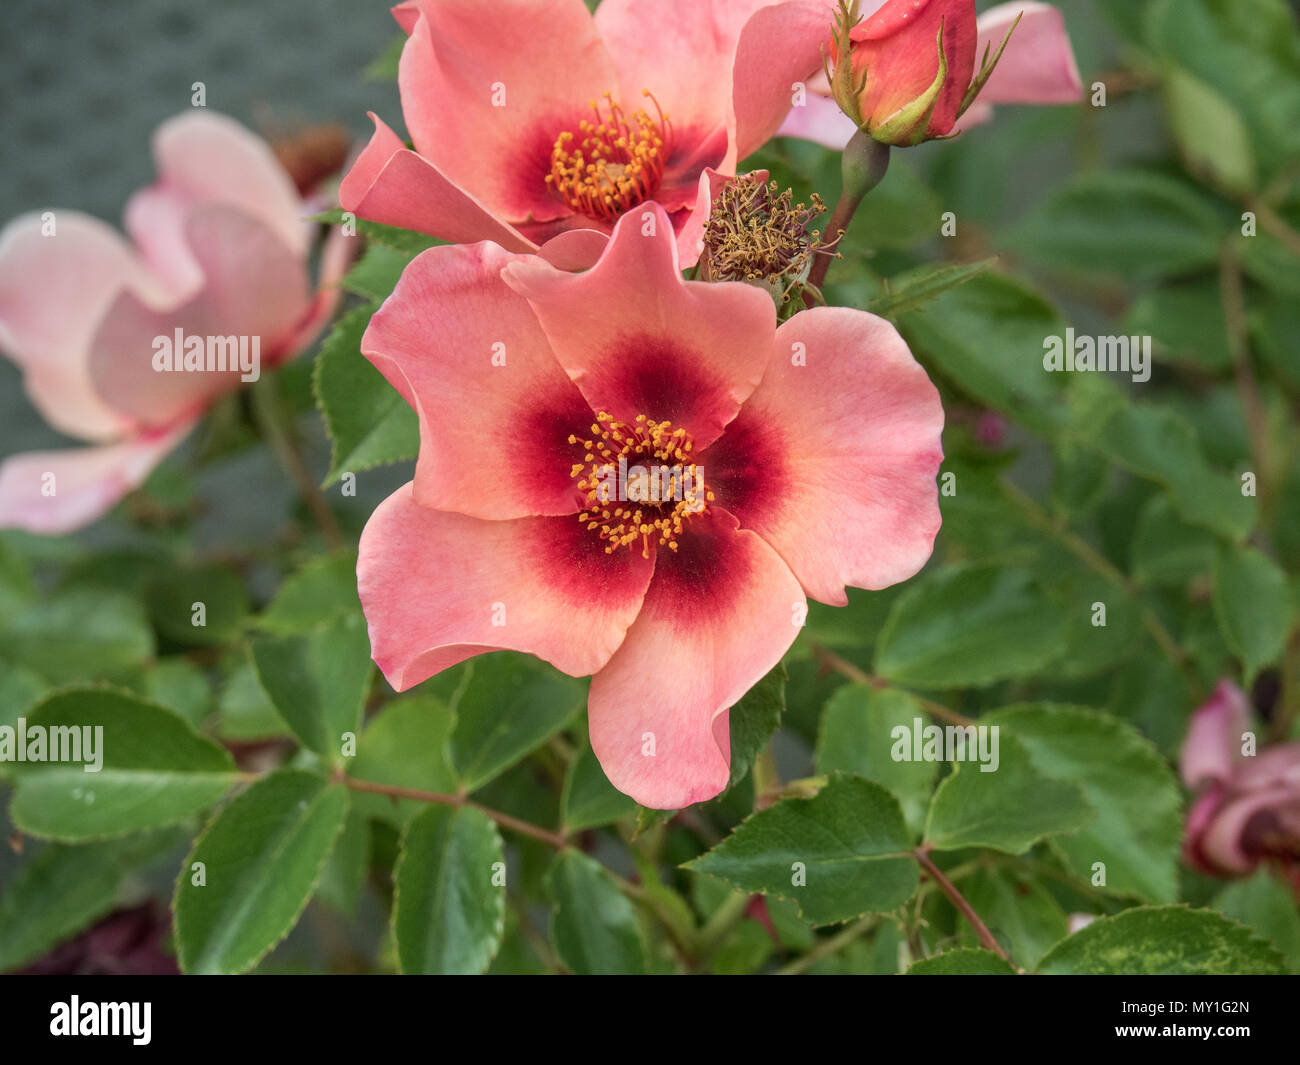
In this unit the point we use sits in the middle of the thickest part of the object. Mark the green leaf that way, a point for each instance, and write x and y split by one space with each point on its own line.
343 880
197 605
589 800
55 893
856 737
1163 941
80 634
917 288
1214 140
1139 822
965 961
1160 445
376 273
901 211
1132 225
969 625
511 706
450 901
838 855
315 594
987 336
593 927
155 770
1186 323
318 682
258 862
244 710
753 721
1167 550
1008 809
20 688
1253 606
1022 914
1264 903
368 421
405 745
1247 52
178 684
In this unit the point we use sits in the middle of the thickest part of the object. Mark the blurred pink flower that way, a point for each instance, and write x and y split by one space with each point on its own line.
219 248
1247 809
1038 67
514 109
818 441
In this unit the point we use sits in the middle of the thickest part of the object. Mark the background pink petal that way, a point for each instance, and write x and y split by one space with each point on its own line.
547 61
636 339
433 583
54 292
1038 66
88 482
720 613
1213 744
821 121
493 438
833 462
206 158
253 285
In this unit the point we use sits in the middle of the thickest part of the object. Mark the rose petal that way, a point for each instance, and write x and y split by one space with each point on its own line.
1038 66
438 588
833 459
54 291
820 120
1213 743
676 49
205 158
485 94
637 339
720 613
88 482
394 186
253 286
496 410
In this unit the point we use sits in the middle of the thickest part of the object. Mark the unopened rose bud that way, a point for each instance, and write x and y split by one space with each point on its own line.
911 71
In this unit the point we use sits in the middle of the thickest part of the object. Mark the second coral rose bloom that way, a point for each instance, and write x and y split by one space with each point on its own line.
534 117
813 448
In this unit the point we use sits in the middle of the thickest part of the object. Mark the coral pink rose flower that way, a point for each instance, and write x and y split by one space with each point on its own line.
812 448
534 117
1038 67
220 250
1248 808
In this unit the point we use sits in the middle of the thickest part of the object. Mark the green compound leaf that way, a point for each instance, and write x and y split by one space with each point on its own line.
253 870
968 626
154 769
594 927
1163 941
1138 829
1007 809
450 905
368 421
318 681
966 961
838 855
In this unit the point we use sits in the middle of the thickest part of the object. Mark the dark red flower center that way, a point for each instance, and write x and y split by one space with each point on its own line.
640 482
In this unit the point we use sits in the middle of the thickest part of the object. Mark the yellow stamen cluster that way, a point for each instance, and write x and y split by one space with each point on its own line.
617 164
651 522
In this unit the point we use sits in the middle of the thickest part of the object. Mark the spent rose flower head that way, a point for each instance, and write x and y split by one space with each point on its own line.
1247 809
1036 67
531 118
799 459
219 248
